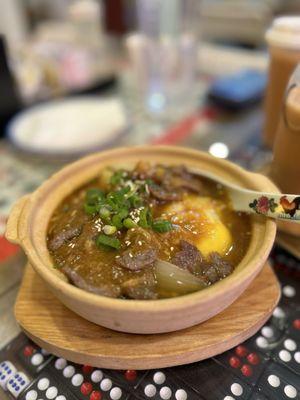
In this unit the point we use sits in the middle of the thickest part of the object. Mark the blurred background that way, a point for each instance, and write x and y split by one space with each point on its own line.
77 76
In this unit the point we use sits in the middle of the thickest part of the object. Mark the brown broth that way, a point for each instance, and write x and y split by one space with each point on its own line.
98 265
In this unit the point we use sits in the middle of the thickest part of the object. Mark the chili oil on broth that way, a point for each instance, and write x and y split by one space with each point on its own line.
98 266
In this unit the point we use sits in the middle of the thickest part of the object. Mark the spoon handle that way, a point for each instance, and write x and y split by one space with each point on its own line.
273 205
279 206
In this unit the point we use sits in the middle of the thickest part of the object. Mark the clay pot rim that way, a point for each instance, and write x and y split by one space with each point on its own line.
27 204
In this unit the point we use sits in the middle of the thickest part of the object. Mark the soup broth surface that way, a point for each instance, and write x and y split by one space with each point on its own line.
152 232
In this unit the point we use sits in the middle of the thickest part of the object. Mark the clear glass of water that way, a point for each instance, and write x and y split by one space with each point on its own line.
163 55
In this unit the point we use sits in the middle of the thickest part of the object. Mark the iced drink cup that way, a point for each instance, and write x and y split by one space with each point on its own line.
285 168
284 47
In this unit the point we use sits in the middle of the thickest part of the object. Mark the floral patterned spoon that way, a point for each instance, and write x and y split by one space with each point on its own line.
274 205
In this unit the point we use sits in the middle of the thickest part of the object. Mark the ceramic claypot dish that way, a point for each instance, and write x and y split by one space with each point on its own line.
29 221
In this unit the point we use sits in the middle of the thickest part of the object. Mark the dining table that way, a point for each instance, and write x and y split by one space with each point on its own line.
265 367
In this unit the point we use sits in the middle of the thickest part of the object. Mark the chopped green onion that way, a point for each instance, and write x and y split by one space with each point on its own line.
94 195
145 218
129 223
90 209
114 207
135 201
108 241
104 212
118 198
123 191
123 213
117 177
117 219
162 225
109 229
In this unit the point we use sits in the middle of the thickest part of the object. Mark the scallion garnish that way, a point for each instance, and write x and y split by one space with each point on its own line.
90 209
162 226
145 218
109 229
108 241
123 207
104 212
128 223
135 201
94 195
117 219
117 177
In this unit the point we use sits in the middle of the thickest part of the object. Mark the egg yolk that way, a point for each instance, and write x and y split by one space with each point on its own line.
199 219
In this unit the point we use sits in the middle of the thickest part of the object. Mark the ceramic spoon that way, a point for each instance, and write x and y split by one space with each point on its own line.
274 205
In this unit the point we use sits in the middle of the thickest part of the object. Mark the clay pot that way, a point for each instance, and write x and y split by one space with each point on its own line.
28 222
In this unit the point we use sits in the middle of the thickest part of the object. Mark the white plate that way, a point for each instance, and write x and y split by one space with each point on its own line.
68 127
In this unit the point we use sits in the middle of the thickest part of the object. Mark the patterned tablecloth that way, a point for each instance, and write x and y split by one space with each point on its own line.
265 367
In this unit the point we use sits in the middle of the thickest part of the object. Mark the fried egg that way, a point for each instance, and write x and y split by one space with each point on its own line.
200 221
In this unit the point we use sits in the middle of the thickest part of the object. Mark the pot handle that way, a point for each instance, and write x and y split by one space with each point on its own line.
12 226
268 185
